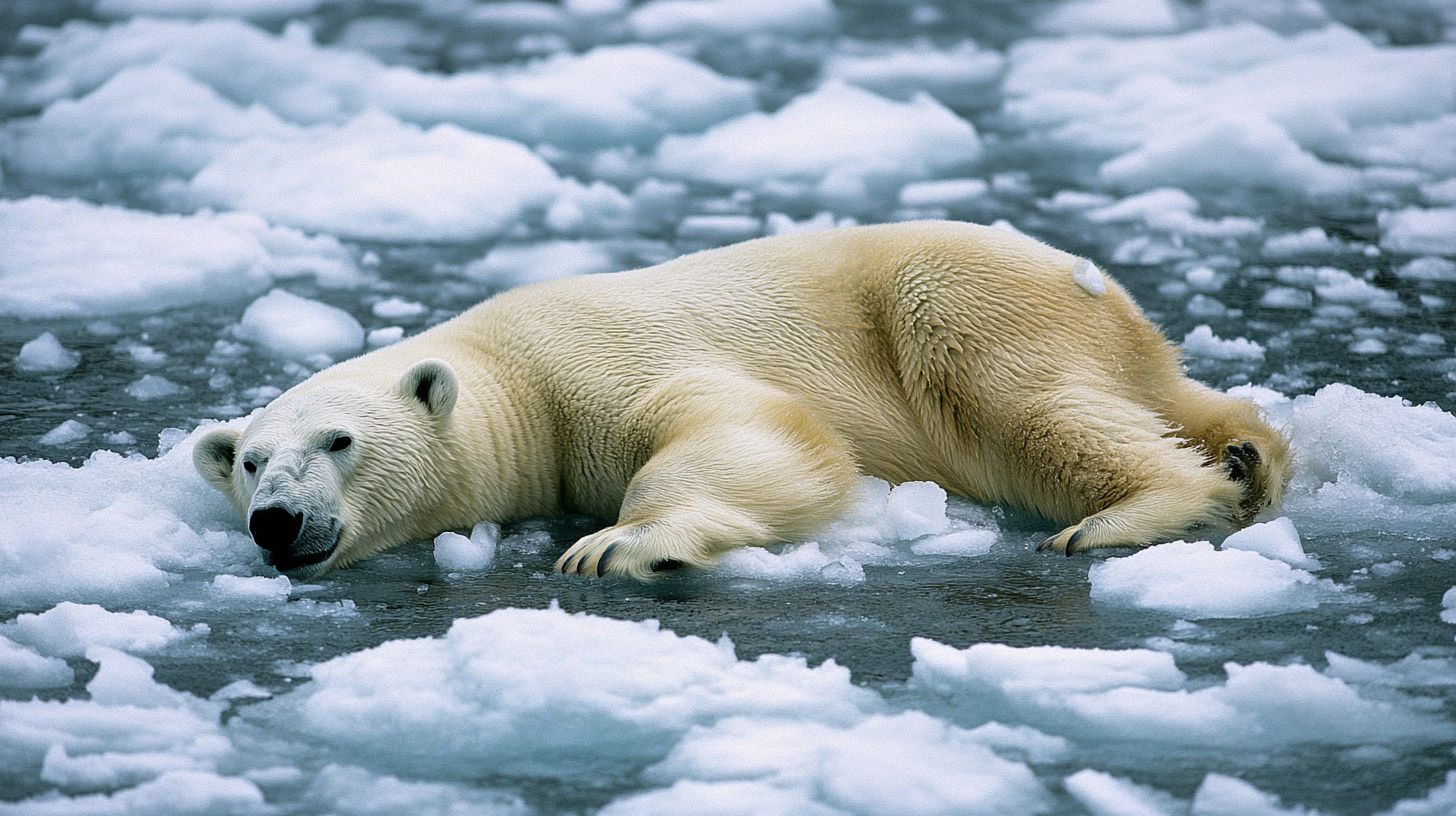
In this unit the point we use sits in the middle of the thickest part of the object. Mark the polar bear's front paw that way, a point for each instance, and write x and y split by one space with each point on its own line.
629 550
1067 541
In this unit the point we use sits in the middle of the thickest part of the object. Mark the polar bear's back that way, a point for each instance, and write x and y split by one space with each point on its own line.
856 322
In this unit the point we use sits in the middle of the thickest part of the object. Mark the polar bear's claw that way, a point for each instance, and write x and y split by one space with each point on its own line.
606 556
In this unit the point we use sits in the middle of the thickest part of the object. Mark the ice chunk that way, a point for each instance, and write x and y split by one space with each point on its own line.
387 336
962 543
908 763
80 259
116 531
253 9
668 19
152 387
350 791
516 689
1172 210
720 799
445 183
46 354
1284 297
1089 277
294 328
1230 104
1448 606
69 629
1202 342
1195 581
1413 670
1277 539
956 76
253 589
148 122
942 192
1103 794
1416 230
65 433
174 793
1110 17
1258 153
994 669
917 509
1371 462
1222 795
22 668
1308 241
455 552
1140 695
396 308
630 93
833 136
508 265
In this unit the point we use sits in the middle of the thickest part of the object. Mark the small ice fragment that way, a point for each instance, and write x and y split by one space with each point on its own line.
942 192
1202 342
66 433
46 354
152 386
1277 539
964 543
1448 606
1221 795
387 336
1368 346
396 308
455 552
294 328
1089 277
917 509
241 690
253 588
1103 794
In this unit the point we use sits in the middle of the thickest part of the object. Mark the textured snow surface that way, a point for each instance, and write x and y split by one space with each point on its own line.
203 202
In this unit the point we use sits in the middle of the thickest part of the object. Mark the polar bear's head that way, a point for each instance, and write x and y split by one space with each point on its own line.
333 470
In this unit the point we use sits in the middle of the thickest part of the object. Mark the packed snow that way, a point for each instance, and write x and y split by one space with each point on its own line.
202 202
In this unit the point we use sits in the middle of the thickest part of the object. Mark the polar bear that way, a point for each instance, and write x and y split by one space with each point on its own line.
730 397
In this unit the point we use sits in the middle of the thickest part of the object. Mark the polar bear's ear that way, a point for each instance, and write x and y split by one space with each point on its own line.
432 383
213 457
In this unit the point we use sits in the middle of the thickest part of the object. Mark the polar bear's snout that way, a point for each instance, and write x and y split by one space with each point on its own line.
275 528
292 539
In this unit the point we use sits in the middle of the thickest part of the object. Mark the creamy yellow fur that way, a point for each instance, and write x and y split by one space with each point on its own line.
729 397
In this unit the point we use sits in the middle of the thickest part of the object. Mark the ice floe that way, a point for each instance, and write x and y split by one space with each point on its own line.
86 260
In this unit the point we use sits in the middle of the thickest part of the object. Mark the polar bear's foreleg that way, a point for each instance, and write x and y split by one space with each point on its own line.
1119 467
739 463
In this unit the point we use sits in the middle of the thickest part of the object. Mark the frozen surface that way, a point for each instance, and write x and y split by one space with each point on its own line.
838 140
86 260
204 201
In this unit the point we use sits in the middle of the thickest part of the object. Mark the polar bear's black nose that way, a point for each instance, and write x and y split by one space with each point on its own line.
275 528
